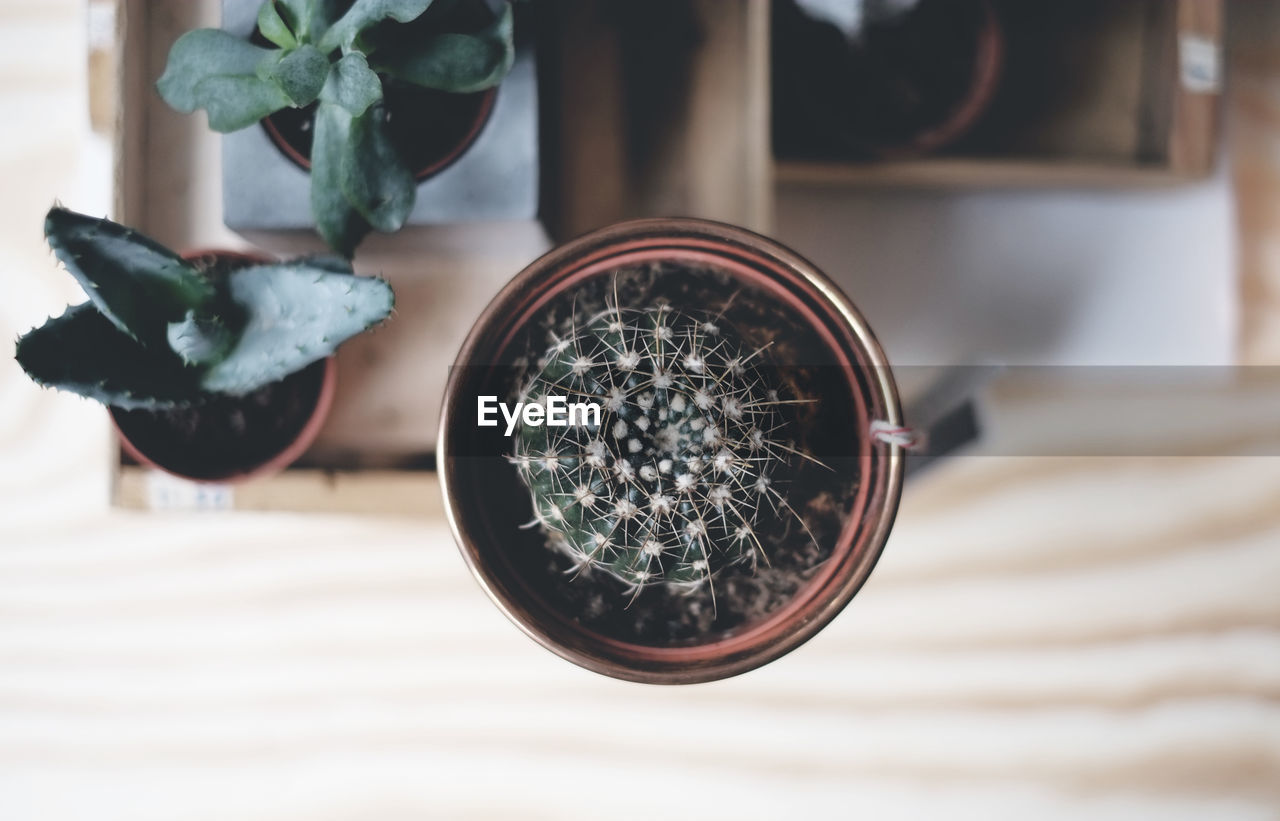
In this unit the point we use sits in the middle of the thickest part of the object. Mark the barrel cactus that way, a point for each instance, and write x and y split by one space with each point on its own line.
160 331
677 476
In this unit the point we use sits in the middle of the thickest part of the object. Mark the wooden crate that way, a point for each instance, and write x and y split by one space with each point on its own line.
709 157
658 108
376 449
1093 92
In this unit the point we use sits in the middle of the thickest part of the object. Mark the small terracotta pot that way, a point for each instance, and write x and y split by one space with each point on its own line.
300 154
270 463
988 64
827 89
773 272
421 116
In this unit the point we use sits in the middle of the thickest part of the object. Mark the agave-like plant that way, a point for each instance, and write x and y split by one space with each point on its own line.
339 62
160 331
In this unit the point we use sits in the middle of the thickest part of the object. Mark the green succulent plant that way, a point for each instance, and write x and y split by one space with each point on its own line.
336 55
160 331
677 480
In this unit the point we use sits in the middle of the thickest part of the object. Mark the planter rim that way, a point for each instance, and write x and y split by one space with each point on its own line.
306 436
420 174
880 482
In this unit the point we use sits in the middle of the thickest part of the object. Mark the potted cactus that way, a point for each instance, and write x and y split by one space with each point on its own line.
370 96
729 496
216 365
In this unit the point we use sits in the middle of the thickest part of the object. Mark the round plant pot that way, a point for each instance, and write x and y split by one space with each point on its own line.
232 439
849 501
430 129
905 87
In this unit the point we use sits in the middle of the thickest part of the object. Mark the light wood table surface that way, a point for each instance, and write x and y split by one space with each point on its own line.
1045 637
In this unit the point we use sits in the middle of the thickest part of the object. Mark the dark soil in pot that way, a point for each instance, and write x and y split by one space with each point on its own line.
226 437
906 83
431 129
795 545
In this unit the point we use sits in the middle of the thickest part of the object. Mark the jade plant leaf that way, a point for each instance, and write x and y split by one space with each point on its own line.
234 103
137 283
352 85
374 178
310 19
273 26
366 13
295 314
84 353
219 72
337 220
458 63
301 74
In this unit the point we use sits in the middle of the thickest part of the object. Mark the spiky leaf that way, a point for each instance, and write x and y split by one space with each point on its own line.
219 72
295 314
137 283
458 63
274 27
352 85
82 352
366 13
301 74
337 221
200 340
375 179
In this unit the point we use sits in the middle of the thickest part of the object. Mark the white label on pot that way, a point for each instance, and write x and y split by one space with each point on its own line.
1201 62
165 492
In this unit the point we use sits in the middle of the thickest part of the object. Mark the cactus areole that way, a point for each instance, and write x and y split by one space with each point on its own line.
727 502
215 366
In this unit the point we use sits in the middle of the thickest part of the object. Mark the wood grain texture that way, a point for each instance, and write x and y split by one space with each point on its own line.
1253 104
1045 638
1127 117
660 115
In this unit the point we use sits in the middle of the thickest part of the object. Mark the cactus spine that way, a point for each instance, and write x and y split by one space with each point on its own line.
677 480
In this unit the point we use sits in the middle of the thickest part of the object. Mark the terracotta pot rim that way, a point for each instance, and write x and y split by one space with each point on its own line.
988 64
428 171
832 316
300 443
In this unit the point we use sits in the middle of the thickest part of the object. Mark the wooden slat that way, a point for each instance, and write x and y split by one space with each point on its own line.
661 115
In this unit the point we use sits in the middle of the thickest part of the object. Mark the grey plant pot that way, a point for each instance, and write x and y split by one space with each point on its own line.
496 179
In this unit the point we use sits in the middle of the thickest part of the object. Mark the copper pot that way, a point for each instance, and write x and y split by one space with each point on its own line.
777 274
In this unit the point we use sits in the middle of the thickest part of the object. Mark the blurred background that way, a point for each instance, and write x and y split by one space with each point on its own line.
1076 616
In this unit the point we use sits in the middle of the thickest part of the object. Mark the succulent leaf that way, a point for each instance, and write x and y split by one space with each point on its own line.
352 85
219 72
366 13
458 63
202 340
137 284
374 178
301 74
233 103
273 26
295 314
84 353
337 220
